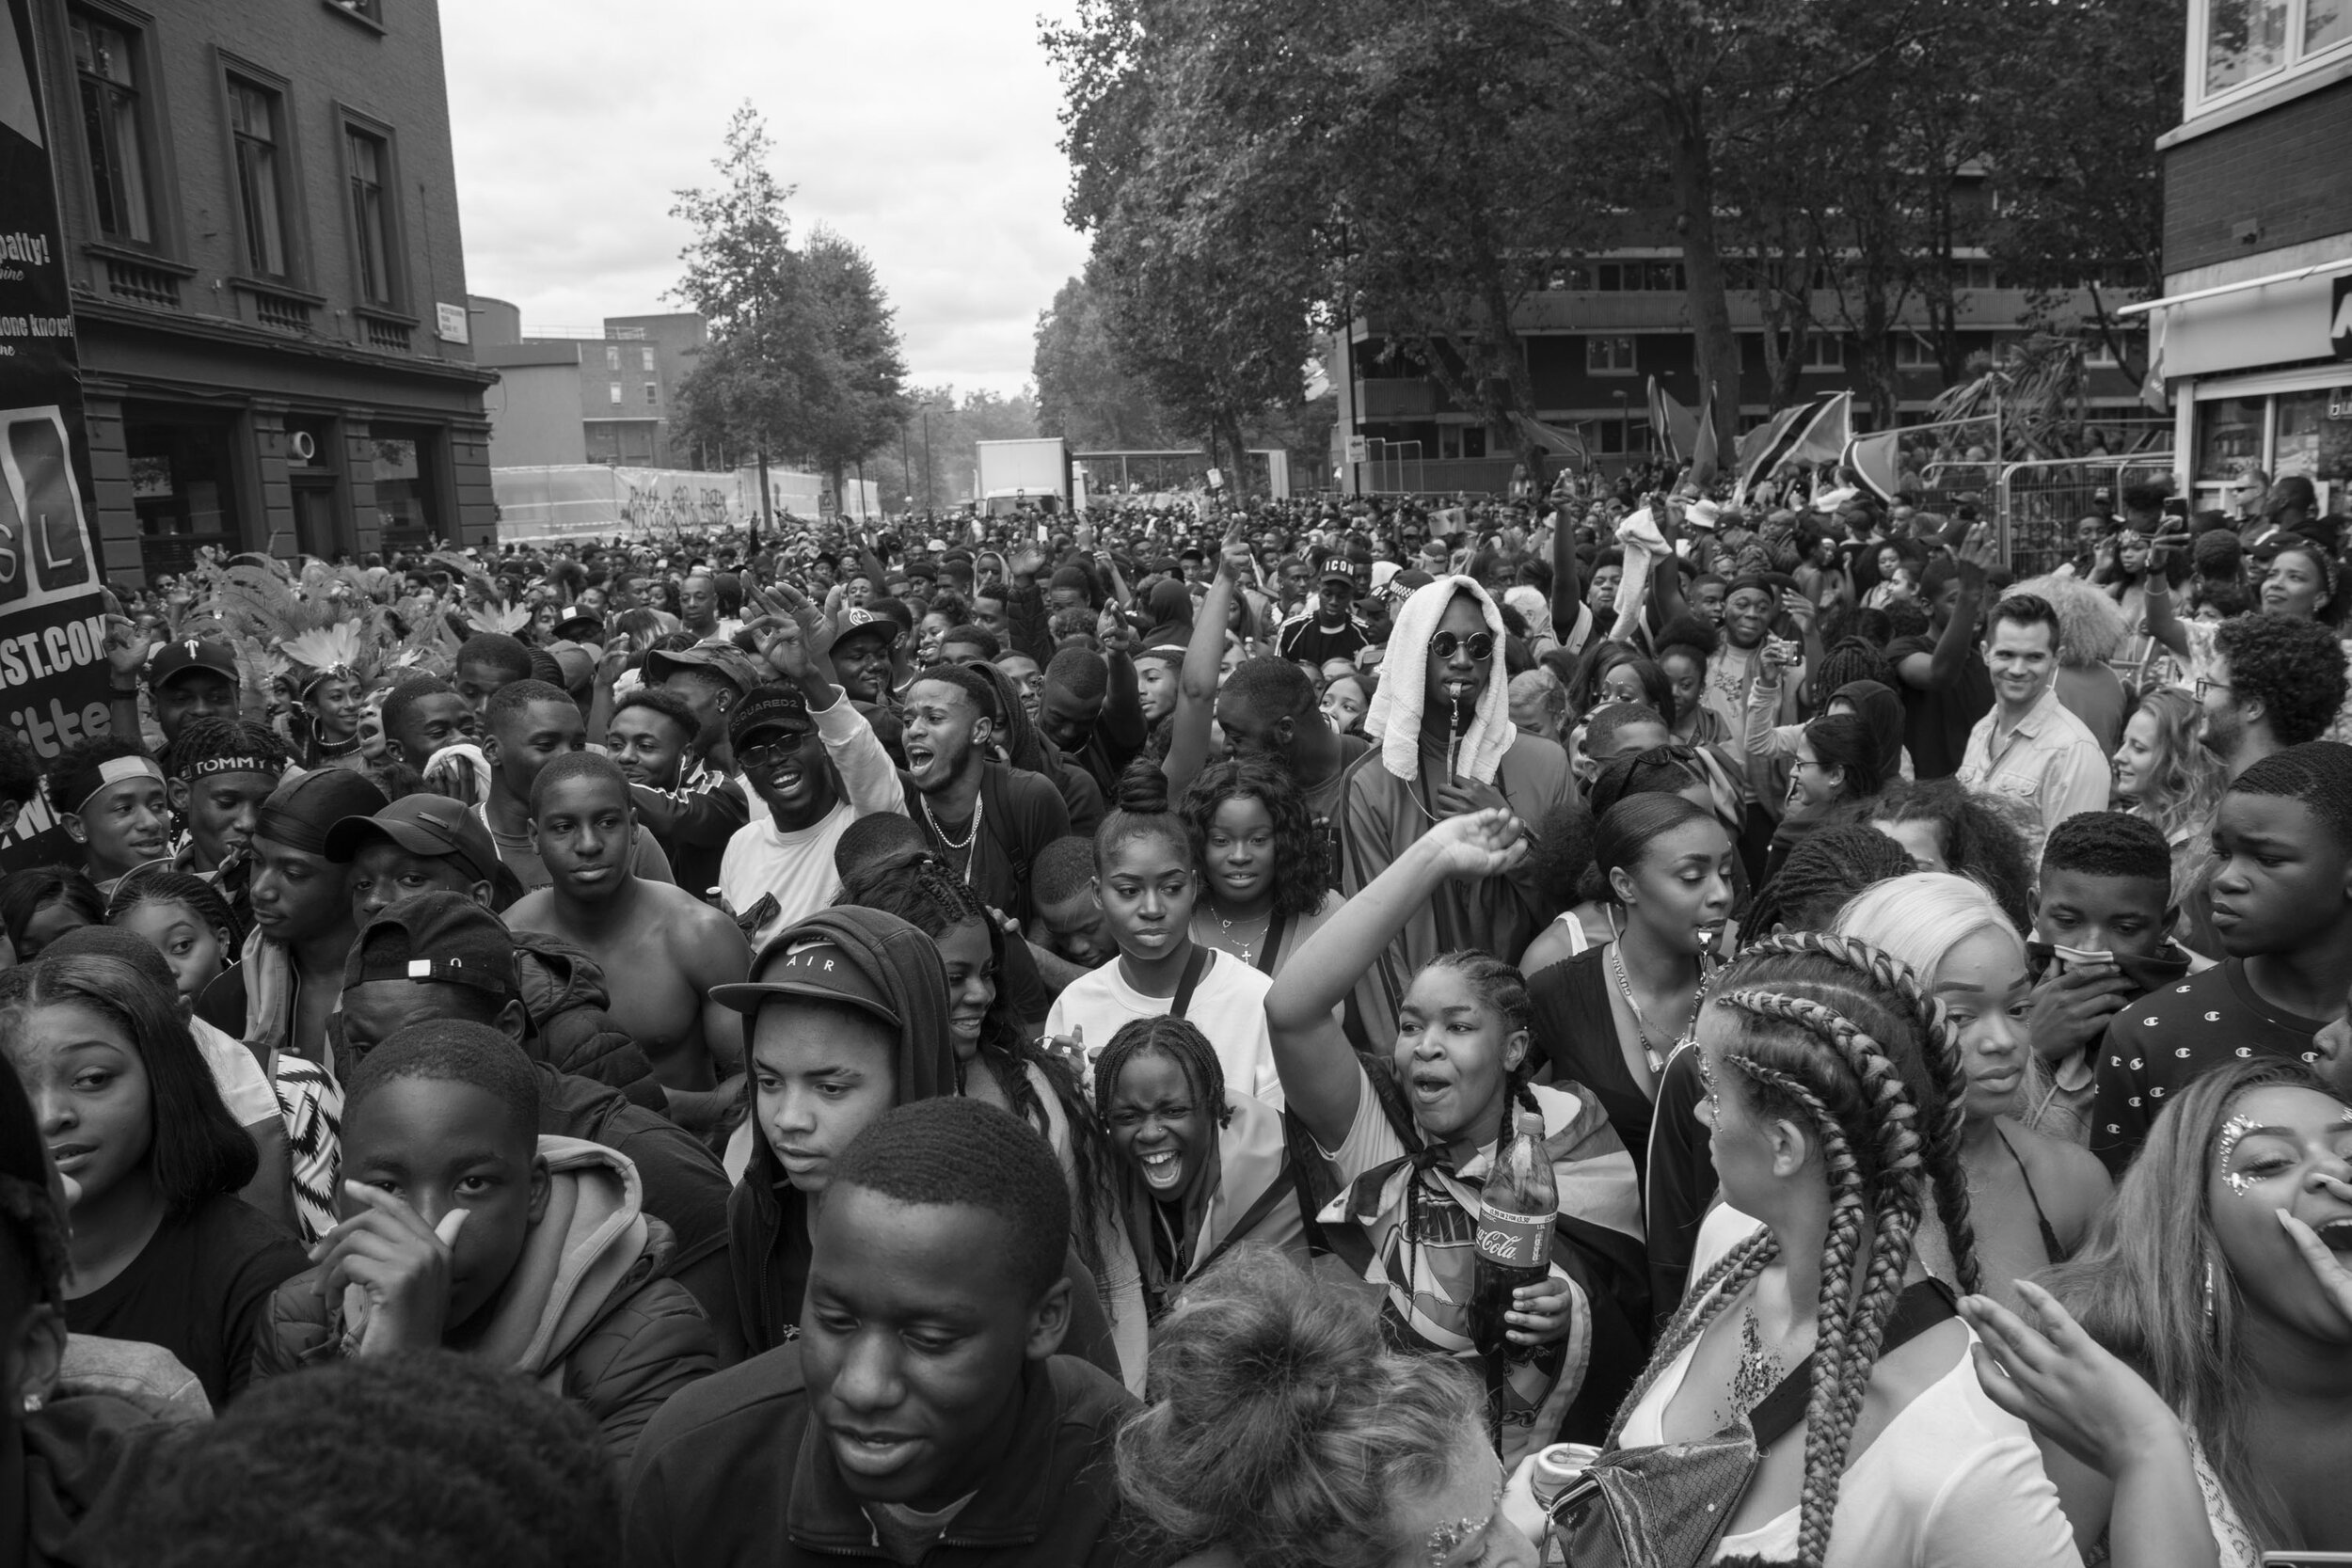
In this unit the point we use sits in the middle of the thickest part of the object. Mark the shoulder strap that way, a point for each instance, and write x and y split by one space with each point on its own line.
1921 1308
1273 952
1194 968
1279 1190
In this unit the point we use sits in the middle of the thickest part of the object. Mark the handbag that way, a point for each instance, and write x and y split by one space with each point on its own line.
1665 1505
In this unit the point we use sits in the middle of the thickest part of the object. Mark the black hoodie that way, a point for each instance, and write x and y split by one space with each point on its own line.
767 1216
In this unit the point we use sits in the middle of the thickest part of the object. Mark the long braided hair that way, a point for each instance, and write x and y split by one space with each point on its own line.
1841 1039
916 886
1182 1043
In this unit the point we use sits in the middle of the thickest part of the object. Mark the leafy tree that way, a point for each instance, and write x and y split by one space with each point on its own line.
1084 395
802 359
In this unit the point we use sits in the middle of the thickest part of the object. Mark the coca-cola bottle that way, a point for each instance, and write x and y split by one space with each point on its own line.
1514 1216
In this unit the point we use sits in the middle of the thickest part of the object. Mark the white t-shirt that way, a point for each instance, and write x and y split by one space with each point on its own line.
797 867
1951 1482
1228 1007
245 1088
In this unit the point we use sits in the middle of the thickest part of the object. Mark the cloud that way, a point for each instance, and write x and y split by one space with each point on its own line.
923 131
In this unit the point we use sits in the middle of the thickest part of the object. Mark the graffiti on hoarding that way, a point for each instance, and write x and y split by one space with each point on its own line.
673 507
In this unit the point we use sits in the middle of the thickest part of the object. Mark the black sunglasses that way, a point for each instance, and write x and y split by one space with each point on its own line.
1479 643
779 744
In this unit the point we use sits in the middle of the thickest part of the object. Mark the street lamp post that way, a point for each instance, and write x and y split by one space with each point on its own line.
1625 428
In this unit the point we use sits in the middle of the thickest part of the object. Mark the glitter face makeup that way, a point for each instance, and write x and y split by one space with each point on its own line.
1447 1538
2233 1130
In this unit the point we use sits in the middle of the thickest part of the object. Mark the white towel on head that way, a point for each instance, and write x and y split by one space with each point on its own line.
1395 716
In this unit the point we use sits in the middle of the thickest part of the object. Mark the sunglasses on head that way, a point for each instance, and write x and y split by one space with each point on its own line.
1479 644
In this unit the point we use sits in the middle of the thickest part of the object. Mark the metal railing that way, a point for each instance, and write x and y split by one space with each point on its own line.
2039 502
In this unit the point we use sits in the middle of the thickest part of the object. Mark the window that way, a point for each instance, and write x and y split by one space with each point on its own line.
256 123
653 393
1824 352
616 394
2099 354
1608 355
370 163
612 359
645 359
2235 43
1913 353
111 125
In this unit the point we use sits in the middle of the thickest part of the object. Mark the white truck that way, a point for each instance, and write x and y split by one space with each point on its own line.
1035 472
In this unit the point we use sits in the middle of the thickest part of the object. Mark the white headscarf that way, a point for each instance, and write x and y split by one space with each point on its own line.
1395 719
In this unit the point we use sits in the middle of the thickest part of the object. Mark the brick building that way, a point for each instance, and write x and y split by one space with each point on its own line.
586 394
261 213
2255 325
1605 324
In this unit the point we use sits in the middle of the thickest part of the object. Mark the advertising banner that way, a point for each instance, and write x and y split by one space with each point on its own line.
53 659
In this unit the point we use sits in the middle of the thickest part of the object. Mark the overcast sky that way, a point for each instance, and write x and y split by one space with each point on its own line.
922 130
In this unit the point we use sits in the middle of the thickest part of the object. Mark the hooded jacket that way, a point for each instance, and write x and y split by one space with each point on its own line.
767 1216
588 1311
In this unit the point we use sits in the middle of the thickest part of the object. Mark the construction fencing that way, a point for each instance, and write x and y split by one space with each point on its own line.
2039 502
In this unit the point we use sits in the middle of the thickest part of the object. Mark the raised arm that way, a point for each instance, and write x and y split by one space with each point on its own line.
1196 686
1567 595
1957 645
1321 1079
2163 621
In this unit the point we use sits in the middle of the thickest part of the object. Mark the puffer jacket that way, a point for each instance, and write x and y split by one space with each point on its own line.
589 1310
564 990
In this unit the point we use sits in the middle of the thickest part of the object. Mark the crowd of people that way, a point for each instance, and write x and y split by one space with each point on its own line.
984 1040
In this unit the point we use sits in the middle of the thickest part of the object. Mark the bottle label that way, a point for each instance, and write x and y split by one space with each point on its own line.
1513 1240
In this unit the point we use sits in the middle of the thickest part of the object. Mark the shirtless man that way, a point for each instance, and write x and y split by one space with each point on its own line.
661 948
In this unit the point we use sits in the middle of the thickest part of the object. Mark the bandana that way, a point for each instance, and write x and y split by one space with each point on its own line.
114 770
240 764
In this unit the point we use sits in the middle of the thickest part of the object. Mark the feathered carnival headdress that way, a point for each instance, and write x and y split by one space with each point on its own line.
302 628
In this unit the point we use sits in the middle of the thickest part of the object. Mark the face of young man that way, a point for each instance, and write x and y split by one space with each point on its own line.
583 830
912 1342
221 809
430 723
523 742
648 745
2280 882
2023 657
382 874
942 728
194 694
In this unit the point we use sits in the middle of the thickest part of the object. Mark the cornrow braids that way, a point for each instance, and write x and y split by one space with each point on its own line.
1943 1124
1500 986
1835 1331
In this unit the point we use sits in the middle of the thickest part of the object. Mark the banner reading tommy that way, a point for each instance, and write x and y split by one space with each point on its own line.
53 659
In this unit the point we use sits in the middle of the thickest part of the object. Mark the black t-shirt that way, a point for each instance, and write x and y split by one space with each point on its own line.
200 1289
1327 802
1936 721
2158 1045
1575 1029
1309 638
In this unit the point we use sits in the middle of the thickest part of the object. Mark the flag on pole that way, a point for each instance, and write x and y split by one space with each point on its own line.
1812 432
1551 438
1677 426
2153 391
1877 461
1705 450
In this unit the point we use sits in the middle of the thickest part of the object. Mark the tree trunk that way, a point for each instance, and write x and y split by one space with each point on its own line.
1691 158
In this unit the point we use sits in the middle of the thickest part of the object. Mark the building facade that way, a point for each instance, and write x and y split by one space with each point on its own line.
586 395
2255 323
1604 325
261 211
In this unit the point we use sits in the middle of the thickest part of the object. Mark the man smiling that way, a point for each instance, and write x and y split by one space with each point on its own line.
924 1408
2031 750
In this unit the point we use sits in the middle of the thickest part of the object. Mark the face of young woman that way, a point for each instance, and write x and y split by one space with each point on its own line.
1984 988
1682 885
1687 677
91 1094
195 952
1453 1055
2136 760
1811 786
1155 1126
1240 850
336 703
1147 889
971 966
1458 1523
2288 1148
2293 586
1344 705
1621 685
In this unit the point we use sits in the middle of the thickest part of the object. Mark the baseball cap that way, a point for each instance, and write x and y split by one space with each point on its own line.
1404 584
723 659
436 936
796 963
430 825
579 626
858 621
768 707
1334 568
175 659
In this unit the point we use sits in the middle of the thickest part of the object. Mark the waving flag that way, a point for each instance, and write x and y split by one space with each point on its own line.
1877 461
1551 438
1677 426
1812 432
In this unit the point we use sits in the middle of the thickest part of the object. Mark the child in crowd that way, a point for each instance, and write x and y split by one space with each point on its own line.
109 796
462 1226
2102 907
